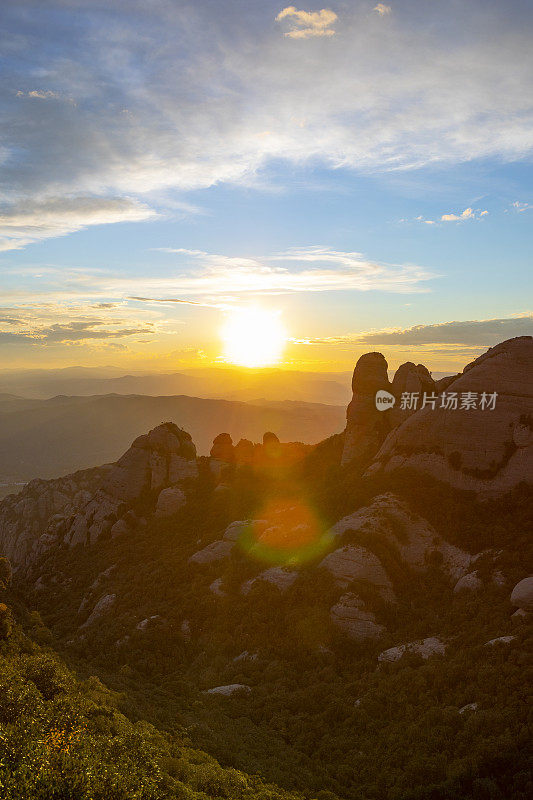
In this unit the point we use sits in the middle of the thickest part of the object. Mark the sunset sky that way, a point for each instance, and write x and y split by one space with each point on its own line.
361 172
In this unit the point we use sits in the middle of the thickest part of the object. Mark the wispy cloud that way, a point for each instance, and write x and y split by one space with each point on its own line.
519 206
382 9
306 24
25 222
312 269
214 280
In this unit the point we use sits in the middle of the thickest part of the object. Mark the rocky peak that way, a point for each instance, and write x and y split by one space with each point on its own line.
159 457
222 449
366 427
83 507
412 378
370 374
486 450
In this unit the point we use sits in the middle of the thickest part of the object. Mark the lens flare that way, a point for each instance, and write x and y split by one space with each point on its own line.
286 532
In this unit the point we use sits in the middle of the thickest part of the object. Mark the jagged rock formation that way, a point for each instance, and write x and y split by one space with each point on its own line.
488 451
166 455
423 647
244 452
354 620
270 453
82 507
32 519
522 594
366 427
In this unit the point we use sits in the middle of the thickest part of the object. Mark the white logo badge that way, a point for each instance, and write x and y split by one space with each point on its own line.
384 400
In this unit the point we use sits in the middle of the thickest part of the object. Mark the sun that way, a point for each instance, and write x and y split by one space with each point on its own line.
253 337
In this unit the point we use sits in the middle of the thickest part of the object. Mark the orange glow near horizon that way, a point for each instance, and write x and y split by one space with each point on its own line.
253 337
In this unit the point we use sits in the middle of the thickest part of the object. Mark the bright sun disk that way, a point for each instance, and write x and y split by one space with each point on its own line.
253 337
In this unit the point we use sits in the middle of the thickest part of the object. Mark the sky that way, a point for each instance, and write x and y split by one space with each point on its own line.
361 171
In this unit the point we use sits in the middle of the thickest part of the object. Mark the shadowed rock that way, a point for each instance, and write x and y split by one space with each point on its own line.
357 563
423 647
366 427
522 594
353 619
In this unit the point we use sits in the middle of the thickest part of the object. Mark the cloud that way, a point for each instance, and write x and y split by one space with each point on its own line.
299 269
306 24
468 213
194 277
26 222
40 94
482 333
519 207
382 9
70 332
199 96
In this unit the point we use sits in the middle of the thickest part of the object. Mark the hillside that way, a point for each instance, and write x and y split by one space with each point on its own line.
338 626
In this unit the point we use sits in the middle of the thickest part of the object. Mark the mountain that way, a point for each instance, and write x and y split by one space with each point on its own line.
45 438
339 630
484 448
219 383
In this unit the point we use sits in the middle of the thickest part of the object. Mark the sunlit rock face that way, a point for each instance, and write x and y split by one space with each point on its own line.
166 455
83 507
366 427
487 451
33 519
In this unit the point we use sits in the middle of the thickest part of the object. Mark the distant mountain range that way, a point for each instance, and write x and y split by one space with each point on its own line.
332 388
48 438
227 384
